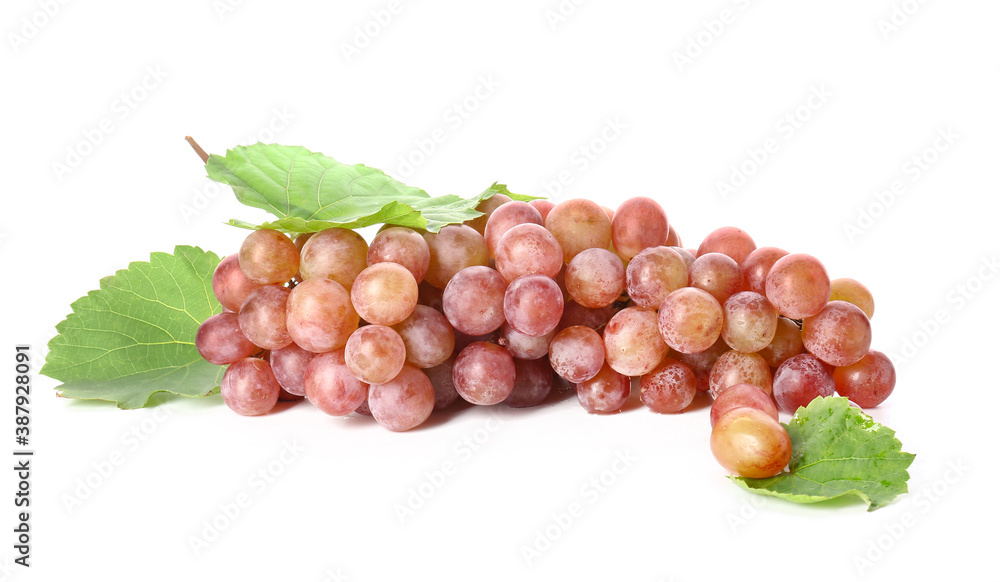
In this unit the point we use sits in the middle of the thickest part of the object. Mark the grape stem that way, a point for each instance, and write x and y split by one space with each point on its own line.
197 149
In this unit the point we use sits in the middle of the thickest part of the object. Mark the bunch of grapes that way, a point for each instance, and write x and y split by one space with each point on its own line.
530 294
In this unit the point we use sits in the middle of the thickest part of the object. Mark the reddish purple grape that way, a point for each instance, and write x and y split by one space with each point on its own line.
668 388
532 383
867 382
801 379
484 373
330 385
220 341
249 387
840 334
605 393
404 402
289 366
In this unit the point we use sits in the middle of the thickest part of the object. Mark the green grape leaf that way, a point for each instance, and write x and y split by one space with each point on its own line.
308 192
837 450
134 336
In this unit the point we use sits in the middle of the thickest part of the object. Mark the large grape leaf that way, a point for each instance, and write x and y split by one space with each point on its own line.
838 450
135 335
308 192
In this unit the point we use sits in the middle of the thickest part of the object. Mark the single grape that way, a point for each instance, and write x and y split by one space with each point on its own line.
750 443
668 388
798 286
632 341
690 320
799 380
749 322
444 383
220 341
639 223
730 241
403 246
528 249
787 342
335 253
330 385
484 373
840 334
543 207
734 368
853 292
757 265
605 393
579 224
473 300
867 382
454 248
375 354
249 387
428 337
289 367
262 317
673 239
384 293
716 273
320 316
268 256
404 402
685 254
740 395
653 274
577 353
507 217
230 283
532 383
595 278
533 304
525 347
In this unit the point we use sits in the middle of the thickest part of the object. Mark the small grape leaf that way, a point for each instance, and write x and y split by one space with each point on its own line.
837 450
135 335
308 192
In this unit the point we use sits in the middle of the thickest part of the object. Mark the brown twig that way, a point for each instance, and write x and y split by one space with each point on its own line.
197 149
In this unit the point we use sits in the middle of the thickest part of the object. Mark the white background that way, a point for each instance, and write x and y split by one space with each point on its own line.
612 98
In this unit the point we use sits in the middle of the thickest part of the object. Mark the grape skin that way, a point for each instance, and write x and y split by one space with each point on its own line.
487 207
532 383
525 347
579 224
444 383
653 274
787 342
507 217
528 249
749 322
716 273
757 265
454 248
249 388
730 241
289 367
853 292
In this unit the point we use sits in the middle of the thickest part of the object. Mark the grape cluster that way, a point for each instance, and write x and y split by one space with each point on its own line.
530 294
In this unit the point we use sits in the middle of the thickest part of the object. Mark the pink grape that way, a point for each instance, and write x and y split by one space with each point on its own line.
249 388
335 253
230 283
742 395
653 274
757 265
384 293
579 224
268 256
632 341
528 249
375 354
749 443
289 367
840 334
262 317
701 362
331 386
673 239
484 373
525 347
428 337
605 393
532 383
595 278
730 241
735 367
220 341
403 246
320 316
668 388
639 223
542 206
749 322
798 286
690 320
473 300
507 217
404 402
487 207
454 248
533 305
853 292
787 342
577 353
799 380
867 382
716 273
